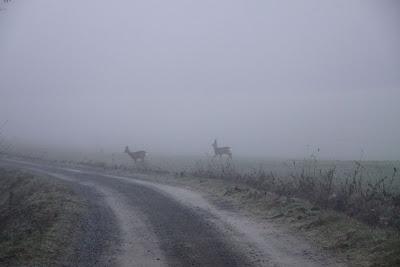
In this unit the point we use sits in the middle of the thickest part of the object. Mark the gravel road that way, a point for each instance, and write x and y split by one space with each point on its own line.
132 222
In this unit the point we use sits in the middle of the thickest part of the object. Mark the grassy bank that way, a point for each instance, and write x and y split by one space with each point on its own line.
372 201
355 242
354 217
37 220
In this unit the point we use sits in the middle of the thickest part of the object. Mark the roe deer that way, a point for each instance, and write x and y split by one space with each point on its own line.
136 155
219 151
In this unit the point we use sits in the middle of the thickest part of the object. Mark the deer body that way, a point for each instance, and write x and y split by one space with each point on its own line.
219 151
137 155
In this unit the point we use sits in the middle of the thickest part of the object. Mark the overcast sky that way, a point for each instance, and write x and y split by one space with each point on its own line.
268 78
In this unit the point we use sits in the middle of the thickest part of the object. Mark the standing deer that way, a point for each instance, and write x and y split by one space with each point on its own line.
219 151
136 155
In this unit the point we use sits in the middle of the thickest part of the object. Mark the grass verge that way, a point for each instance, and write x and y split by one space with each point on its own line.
38 218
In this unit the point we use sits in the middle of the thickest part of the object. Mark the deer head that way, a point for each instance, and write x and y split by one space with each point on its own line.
215 143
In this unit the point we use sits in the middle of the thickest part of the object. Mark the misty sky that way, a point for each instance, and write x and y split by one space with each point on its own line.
268 78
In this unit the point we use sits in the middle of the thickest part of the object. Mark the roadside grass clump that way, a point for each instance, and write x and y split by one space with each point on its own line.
37 219
375 202
354 242
356 217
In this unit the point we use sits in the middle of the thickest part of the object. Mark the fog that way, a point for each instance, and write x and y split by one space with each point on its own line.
269 78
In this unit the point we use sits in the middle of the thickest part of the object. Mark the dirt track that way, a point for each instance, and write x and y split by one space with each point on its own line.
138 223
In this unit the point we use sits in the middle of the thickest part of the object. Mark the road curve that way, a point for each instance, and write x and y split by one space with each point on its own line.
132 222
